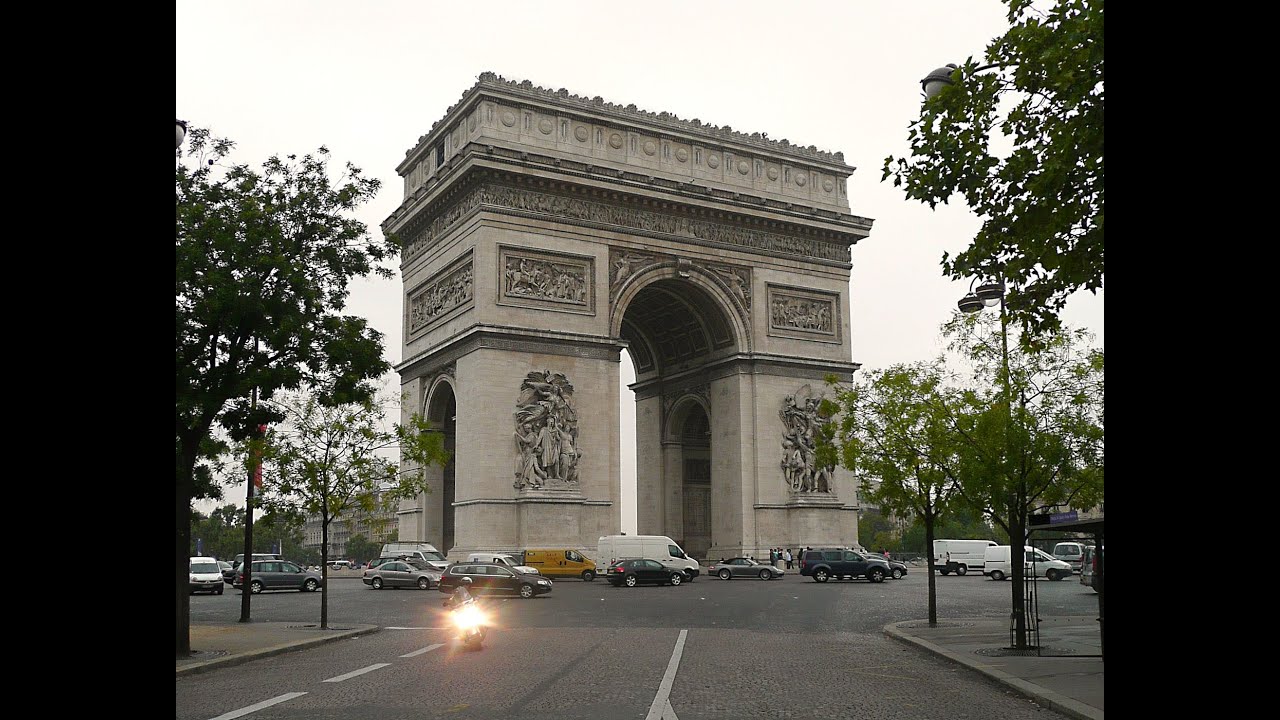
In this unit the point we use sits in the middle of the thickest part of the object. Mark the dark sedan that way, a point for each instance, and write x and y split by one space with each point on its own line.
491 579
636 572
401 573
279 575
745 567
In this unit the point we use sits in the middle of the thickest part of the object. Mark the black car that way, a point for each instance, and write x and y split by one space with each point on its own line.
637 571
491 579
822 564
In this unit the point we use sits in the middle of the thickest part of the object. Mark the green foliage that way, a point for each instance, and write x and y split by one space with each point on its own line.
333 461
361 549
1042 203
1040 440
871 524
264 260
221 533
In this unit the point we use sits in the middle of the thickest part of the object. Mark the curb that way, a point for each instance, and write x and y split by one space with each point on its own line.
1058 702
250 655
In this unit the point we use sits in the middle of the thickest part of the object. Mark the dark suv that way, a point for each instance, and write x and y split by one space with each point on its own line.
490 578
822 564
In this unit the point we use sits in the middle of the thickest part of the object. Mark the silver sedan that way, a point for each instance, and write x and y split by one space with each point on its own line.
745 567
401 573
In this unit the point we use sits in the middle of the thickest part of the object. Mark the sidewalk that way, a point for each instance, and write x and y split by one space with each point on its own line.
234 643
1070 684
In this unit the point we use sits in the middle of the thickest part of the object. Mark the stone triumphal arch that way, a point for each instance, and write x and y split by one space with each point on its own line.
545 232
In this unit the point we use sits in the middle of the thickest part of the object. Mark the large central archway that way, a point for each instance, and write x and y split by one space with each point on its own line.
679 323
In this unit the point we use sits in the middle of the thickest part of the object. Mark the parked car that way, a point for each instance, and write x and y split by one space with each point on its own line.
896 569
228 572
745 567
492 579
206 576
502 559
638 571
1071 553
340 565
822 564
1089 574
279 575
402 573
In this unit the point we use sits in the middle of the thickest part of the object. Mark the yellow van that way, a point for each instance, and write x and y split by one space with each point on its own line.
561 563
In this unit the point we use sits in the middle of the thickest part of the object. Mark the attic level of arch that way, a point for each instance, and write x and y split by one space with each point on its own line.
458 161
672 217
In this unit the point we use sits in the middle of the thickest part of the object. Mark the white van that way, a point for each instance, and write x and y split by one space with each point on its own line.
650 547
1035 563
1072 553
959 556
502 559
425 552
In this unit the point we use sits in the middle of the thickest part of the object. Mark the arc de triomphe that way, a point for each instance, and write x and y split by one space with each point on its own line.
545 232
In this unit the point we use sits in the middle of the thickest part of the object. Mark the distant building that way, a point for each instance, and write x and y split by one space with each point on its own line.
376 527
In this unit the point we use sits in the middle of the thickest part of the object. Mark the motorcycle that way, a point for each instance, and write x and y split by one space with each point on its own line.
470 621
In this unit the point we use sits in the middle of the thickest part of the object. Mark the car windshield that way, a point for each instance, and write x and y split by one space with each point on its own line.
752 562
205 568
420 564
433 556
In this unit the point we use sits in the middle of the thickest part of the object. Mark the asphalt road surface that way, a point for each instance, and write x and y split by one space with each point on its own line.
788 648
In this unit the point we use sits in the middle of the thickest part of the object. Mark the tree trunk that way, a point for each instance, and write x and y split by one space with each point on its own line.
929 519
324 571
182 500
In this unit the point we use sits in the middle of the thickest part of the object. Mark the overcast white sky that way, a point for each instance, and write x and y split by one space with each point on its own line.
367 79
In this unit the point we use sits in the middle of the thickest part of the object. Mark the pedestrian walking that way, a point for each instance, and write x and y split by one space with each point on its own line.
787 556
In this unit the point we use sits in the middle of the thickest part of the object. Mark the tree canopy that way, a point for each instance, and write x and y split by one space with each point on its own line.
1042 202
333 462
263 265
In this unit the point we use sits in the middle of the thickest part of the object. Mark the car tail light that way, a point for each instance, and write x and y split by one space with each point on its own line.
619 569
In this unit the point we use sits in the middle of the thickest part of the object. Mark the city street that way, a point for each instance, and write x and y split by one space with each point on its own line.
789 648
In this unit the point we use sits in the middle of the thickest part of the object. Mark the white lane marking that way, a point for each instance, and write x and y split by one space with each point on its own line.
426 649
661 707
397 627
354 673
258 706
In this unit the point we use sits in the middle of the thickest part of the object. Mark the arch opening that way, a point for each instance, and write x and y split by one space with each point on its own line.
442 411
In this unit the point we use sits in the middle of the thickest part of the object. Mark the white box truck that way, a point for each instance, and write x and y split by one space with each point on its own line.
650 547
960 556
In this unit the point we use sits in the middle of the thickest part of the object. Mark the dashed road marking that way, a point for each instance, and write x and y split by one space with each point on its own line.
354 673
258 706
426 649
661 707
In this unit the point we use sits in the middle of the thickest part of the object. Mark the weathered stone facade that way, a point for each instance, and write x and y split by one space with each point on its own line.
543 233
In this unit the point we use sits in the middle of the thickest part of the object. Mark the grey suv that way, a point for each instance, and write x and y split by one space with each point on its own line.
279 575
822 564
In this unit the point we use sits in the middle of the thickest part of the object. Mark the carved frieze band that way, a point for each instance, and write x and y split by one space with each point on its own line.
546 280
618 215
804 314
447 293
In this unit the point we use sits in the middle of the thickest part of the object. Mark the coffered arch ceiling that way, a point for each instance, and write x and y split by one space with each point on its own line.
672 325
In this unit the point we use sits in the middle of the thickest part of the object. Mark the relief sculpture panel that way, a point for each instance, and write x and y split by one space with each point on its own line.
800 467
546 433
546 280
804 314
447 291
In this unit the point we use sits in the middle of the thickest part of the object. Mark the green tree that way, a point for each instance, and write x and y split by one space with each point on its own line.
362 549
264 261
331 461
286 529
897 427
1041 203
1044 448
873 524
221 533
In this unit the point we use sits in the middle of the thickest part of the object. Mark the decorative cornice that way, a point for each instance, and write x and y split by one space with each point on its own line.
500 337
676 222
597 105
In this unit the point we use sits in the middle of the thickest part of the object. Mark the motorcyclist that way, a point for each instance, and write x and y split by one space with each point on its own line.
462 593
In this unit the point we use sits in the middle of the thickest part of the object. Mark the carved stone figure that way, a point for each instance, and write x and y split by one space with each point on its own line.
800 468
546 431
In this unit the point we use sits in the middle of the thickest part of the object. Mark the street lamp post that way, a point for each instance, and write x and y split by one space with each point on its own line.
182 132
990 294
